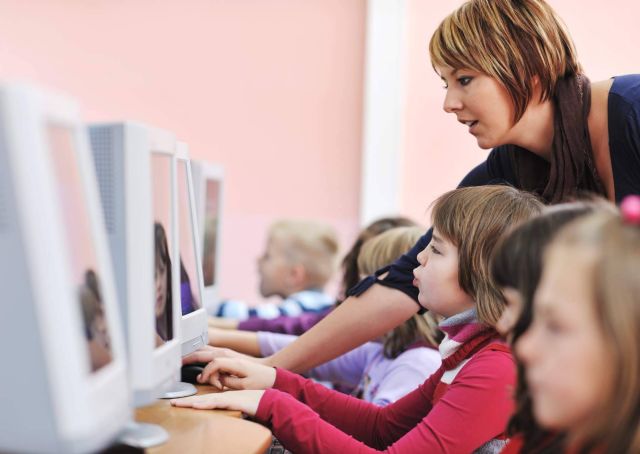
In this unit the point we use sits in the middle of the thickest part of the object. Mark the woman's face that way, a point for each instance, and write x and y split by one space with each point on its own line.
511 312
161 286
437 278
481 103
568 367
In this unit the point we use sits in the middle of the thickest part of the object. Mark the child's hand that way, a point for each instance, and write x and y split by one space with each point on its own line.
237 374
244 401
208 353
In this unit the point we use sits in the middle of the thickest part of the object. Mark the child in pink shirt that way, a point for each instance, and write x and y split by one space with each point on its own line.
463 407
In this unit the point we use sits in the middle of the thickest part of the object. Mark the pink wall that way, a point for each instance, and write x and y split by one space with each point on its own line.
272 90
438 151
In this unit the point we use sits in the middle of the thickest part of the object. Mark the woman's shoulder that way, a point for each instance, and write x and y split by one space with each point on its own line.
627 85
624 93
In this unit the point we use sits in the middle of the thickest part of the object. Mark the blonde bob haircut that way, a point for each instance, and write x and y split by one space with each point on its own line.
513 41
380 251
612 250
313 245
474 219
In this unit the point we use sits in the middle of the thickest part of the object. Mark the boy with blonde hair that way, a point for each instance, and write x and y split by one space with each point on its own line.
299 259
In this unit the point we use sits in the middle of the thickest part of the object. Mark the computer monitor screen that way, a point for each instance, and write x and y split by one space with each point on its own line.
211 227
190 297
163 238
84 262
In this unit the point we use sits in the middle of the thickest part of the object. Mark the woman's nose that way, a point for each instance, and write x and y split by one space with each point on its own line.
452 102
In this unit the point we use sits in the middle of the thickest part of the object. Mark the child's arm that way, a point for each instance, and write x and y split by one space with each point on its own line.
473 410
222 323
284 324
241 341
356 321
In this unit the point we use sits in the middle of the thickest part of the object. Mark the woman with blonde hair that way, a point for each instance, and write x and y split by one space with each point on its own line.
512 77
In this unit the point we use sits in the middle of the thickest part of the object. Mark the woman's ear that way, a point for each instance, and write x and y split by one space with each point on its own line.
536 88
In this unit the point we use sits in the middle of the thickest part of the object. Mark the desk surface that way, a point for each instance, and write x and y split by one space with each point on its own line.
204 431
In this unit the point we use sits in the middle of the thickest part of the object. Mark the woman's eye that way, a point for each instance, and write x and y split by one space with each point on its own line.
464 80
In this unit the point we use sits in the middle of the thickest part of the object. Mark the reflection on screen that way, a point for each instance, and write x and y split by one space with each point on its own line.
190 300
80 239
161 191
211 216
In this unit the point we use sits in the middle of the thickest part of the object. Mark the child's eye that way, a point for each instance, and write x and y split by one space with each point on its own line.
552 327
464 80
434 250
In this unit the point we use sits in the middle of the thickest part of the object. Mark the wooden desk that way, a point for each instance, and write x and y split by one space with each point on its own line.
204 431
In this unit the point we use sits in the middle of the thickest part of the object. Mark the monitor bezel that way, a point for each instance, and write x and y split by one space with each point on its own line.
194 326
203 171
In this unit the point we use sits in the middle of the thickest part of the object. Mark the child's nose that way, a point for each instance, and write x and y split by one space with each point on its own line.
422 257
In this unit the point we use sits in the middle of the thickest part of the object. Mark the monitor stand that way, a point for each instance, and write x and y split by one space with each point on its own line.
143 435
180 389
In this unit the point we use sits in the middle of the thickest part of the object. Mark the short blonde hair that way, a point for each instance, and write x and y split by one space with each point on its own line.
474 219
380 251
510 40
613 250
311 244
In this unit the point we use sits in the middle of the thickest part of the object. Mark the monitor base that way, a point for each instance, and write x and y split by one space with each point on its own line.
178 390
143 435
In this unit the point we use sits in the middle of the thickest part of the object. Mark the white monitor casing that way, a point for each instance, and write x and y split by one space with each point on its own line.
123 153
50 400
194 325
203 173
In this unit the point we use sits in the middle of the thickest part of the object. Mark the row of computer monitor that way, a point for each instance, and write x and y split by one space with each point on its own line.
103 271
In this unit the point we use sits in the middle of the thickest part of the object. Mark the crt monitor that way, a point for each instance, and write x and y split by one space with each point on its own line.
194 317
63 385
208 183
135 165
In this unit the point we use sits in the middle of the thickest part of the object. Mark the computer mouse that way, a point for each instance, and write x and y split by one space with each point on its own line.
190 372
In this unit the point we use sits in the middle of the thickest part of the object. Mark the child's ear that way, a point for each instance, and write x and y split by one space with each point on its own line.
298 276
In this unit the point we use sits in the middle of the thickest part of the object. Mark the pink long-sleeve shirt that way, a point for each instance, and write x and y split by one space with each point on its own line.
474 409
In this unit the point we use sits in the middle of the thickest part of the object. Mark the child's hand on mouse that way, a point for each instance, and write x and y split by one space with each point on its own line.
237 374
244 401
208 353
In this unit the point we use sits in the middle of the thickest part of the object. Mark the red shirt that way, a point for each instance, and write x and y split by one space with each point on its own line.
307 417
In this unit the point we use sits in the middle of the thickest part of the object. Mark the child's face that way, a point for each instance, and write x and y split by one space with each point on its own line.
273 268
99 330
512 311
564 351
437 279
161 287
